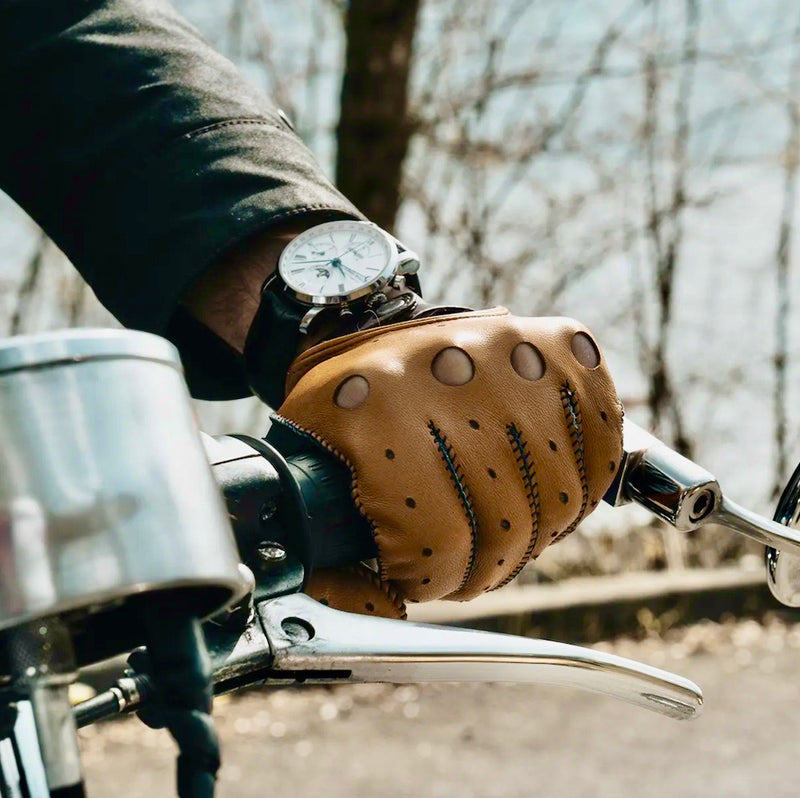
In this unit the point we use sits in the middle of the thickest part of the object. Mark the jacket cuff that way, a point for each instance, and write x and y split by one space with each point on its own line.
205 193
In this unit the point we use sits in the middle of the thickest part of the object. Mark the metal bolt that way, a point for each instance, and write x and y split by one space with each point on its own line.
271 553
702 506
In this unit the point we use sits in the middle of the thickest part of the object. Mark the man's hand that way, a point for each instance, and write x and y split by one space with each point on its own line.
474 440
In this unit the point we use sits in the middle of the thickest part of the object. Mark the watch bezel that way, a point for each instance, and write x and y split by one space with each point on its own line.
379 282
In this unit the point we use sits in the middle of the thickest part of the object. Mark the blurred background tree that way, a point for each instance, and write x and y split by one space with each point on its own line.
631 163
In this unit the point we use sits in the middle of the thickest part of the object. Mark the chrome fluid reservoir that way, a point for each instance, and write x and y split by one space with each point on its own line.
106 495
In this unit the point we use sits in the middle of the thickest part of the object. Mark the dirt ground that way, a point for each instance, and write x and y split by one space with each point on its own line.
499 740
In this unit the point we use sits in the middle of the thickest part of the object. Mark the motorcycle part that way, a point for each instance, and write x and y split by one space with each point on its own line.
684 494
105 495
783 567
311 642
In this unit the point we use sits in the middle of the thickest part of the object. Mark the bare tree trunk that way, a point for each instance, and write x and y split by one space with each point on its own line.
374 129
665 226
783 256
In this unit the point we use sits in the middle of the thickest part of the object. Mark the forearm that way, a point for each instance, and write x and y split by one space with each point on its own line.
149 159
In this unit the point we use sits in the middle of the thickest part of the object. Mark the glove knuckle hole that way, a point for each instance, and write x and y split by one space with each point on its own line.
352 392
453 366
585 350
527 361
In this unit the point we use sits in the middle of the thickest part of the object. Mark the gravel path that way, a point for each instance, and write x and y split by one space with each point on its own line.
500 740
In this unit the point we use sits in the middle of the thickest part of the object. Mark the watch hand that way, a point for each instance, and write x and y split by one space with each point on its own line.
354 272
352 249
342 268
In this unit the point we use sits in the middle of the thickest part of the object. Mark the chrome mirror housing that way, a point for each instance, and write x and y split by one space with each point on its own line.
783 568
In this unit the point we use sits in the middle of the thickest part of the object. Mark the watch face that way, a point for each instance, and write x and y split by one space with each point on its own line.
337 262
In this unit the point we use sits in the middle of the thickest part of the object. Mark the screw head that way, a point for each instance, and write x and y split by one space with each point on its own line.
270 552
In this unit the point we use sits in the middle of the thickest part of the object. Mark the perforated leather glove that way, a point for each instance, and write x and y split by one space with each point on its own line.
474 442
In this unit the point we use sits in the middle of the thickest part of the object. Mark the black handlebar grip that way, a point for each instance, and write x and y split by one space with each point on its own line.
339 533
302 501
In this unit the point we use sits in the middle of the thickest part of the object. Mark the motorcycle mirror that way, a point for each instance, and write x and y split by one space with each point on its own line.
783 568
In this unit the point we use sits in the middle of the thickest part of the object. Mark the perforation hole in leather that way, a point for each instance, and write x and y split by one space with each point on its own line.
501 562
563 498
492 473
585 350
426 580
352 392
453 366
603 415
612 466
553 446
474 424
389 454
410 503
426 552
505 524
527 361
369 606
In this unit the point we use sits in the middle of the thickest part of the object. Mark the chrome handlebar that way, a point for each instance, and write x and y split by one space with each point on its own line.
684 494
687 497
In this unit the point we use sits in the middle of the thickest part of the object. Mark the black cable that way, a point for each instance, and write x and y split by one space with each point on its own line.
178 663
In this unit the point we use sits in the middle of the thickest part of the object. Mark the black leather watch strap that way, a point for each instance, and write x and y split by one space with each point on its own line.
272 344
274 336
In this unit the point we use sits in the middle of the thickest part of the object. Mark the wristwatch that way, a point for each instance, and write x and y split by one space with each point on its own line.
332 279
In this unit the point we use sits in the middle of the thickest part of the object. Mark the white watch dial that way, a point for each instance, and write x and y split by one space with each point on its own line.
337 261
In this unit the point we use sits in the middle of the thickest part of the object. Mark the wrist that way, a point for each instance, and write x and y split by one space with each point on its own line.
226 297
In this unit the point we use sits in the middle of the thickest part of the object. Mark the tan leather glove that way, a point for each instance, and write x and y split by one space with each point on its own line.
462 483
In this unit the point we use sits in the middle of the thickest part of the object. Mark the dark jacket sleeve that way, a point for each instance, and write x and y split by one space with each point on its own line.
142 152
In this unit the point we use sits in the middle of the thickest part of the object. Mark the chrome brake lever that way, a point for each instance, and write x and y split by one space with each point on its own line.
684 494
312 642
